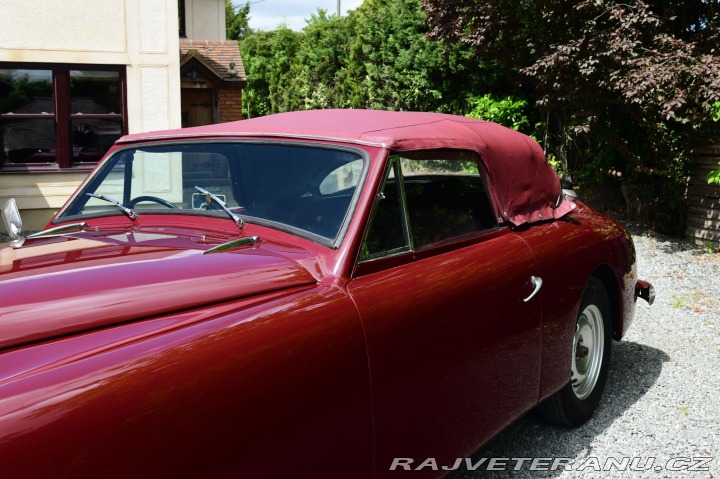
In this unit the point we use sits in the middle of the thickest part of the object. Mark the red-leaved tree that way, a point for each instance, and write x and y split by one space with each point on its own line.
624 86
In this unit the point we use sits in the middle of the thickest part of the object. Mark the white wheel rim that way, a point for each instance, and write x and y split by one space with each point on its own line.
588 346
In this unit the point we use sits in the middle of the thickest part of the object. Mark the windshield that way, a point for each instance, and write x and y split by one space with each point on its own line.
284 186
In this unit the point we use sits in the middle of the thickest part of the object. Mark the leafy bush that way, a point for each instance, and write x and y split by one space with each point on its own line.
508 111
714 177
378 56
624 88
512 112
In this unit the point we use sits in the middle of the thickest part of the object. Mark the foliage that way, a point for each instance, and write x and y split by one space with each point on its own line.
236 20
556 165
714 176
23 90
509 111
268 58
379 56
320 67
403 69
512 112
623 86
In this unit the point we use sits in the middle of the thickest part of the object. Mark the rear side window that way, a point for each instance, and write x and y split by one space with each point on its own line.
428 199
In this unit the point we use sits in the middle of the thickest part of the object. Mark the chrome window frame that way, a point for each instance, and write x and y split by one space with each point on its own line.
394 167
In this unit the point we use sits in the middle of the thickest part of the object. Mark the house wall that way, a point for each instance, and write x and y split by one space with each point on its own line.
230 104
205 19
140 34
703 213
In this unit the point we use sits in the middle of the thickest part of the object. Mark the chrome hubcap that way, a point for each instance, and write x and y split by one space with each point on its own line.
587 351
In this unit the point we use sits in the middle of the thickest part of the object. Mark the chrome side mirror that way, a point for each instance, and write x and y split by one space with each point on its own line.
12 220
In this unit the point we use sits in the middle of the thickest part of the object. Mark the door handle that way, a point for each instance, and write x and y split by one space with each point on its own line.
537 283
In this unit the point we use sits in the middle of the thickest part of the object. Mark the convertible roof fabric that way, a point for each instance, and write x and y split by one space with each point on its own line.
523 186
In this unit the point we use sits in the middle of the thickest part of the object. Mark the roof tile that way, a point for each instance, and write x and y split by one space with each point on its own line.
218 55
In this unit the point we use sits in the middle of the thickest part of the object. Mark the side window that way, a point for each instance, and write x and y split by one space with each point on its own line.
446 197
388 229
428 198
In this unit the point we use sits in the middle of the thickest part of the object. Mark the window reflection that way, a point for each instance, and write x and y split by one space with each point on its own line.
94 92
26 91
91 138
28 141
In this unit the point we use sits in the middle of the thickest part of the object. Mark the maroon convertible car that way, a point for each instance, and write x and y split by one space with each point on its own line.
310 294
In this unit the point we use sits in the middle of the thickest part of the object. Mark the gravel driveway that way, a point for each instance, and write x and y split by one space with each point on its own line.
662 399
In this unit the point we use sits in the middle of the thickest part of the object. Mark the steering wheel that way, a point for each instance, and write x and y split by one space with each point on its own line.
154 199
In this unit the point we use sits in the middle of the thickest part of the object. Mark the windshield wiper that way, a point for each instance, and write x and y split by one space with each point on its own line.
60 230
130 213
211 197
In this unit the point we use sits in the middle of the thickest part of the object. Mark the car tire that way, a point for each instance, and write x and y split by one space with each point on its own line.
576 402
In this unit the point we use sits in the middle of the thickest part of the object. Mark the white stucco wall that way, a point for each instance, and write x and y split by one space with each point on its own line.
33 27
140 34
205 19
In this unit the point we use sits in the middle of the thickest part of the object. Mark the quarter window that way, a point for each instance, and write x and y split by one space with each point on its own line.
388 232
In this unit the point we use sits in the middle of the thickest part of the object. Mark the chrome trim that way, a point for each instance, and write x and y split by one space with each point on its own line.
651 295
537 283
570 195
393 165
400 180
58 230
237 243
237 219
588 345
645 290
130 213
386 254
12 219
17 243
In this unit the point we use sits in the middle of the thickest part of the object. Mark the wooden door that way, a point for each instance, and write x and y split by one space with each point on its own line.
198 107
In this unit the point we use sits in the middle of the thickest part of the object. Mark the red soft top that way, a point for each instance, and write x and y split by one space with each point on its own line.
523 186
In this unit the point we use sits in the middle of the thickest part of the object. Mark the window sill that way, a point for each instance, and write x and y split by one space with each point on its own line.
27 169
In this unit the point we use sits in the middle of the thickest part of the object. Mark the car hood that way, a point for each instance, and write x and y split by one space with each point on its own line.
56 286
